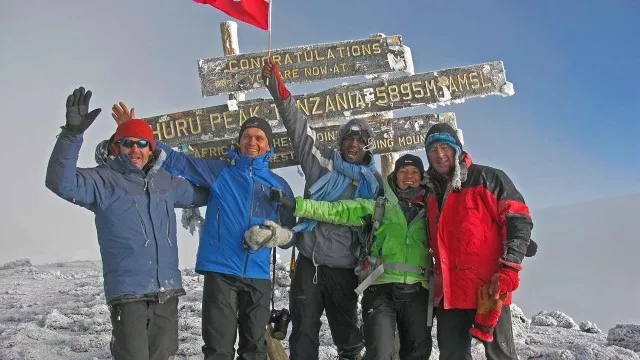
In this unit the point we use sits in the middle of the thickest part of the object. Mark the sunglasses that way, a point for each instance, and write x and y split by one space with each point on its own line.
128 143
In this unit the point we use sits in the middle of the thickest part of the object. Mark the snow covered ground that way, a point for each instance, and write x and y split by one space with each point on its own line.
57 311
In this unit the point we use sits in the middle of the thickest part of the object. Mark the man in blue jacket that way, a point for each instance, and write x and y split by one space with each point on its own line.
133 200
237 284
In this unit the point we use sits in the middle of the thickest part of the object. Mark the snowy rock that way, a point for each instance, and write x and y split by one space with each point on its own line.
16 264
189 349
626 336
590 327
560 355
543 320
591 351
192 307
562 320
86 344
189 272
520 324
55 320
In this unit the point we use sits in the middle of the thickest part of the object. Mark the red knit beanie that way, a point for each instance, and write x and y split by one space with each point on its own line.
135 128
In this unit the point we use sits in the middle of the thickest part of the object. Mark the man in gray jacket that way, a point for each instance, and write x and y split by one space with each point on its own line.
133 200
324 275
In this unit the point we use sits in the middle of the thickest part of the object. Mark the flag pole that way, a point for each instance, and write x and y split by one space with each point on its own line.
270 5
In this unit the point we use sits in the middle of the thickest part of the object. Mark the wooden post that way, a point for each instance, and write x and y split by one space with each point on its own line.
229 34
275 351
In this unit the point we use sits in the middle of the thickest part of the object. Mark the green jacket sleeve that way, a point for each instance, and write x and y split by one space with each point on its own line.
343 212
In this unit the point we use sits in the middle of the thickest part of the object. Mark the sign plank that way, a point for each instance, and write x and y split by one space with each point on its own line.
436 88
391 135
301 64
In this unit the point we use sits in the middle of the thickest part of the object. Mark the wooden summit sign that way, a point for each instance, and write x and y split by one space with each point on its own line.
391 135
241 73
432 89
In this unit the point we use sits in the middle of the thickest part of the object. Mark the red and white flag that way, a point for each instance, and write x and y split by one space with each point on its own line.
254 12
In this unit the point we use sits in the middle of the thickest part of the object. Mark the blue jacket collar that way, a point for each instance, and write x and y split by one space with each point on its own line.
236 158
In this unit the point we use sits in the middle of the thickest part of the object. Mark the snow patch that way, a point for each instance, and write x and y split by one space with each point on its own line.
507 89
55 320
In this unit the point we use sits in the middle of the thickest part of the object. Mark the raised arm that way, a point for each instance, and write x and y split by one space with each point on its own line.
315 161
63 177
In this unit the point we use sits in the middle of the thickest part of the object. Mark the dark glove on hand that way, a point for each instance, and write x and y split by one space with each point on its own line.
273 81
532 249
279 197
78 117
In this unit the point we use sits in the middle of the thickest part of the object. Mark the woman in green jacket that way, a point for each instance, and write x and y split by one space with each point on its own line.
397 292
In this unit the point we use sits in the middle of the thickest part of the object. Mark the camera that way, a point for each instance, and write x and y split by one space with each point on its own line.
280 320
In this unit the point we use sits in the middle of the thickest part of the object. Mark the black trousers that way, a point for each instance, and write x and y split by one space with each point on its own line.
334 293
144 330
454 340
232 304
386 306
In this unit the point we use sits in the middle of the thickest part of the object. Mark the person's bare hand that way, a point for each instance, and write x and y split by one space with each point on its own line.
487 303
121 113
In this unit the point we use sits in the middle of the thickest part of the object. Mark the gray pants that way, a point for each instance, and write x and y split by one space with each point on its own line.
454 339
144 330
384 306
232 304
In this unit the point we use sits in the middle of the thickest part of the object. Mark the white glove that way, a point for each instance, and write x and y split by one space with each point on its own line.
270 235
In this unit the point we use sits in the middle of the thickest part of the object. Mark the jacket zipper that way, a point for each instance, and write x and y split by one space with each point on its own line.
147 193
246 257
168 225
218 220
144 231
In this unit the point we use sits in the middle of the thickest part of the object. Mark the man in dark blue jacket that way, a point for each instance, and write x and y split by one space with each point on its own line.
133 200
237 284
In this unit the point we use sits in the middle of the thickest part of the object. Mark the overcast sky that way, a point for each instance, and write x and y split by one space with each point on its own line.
568 134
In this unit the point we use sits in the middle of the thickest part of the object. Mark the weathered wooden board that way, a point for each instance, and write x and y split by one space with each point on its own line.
431 89
300 64
392 135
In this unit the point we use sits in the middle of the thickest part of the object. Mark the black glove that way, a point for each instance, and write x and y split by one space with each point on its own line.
78 117
532 249
278 196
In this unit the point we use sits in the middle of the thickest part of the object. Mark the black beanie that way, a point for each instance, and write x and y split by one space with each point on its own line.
258 123
409 160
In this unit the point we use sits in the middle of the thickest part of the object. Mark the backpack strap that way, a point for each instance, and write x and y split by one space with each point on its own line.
378 213
381 267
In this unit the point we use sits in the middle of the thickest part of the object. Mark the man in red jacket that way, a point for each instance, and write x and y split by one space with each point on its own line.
479 230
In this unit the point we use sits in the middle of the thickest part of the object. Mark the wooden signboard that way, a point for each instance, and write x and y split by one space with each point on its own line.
391 135
432 89
301 64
